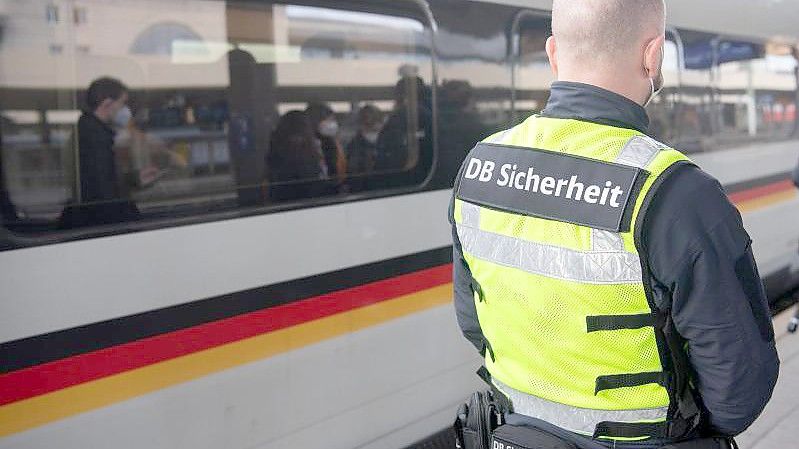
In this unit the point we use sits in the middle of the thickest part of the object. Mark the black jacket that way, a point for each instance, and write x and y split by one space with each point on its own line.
703 271
103 201
98 171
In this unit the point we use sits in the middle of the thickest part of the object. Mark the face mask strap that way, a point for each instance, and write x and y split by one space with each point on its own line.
654 92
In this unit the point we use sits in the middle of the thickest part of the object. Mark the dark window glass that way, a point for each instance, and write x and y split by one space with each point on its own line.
663 110
473 95
531 72
232 105
694 117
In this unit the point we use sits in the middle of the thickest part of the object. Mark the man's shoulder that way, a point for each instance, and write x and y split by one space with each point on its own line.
687 207
690 181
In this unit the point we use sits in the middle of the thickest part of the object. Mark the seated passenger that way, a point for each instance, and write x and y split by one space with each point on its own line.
295 162
324 124
362 150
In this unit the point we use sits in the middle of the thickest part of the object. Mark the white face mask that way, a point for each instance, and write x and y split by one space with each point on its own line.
328 128
371 136
122 117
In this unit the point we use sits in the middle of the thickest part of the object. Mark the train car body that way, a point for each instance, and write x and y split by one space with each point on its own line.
227 315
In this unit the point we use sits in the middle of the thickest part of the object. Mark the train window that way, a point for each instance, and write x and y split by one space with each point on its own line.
773 93
531 72
187 108
663 109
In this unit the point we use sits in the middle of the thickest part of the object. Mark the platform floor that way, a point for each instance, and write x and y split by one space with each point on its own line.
778 426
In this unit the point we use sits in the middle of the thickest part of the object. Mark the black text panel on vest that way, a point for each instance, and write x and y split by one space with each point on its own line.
551 185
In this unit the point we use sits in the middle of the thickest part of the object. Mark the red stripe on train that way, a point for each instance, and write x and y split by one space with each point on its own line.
59 374
757 192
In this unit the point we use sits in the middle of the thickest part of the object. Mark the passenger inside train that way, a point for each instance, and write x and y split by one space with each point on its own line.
296 163
362 149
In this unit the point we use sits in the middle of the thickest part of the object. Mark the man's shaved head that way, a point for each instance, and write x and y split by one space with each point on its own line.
605 29
616 44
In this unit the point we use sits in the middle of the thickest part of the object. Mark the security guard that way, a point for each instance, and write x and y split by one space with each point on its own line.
607 280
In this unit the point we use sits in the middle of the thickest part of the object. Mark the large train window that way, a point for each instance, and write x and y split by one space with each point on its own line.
531 74
125 114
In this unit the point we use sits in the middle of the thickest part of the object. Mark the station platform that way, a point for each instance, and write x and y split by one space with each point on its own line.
777 427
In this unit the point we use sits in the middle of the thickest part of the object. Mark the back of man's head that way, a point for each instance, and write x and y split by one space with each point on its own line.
605 37
604 30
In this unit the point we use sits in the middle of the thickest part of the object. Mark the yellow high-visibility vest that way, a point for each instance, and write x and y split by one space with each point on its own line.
548 215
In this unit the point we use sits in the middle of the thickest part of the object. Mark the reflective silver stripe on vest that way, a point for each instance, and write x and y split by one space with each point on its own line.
639 152
602 240
575 419
470 215
498 138
605 267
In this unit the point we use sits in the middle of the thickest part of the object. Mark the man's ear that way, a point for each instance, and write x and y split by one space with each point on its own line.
653 56
552 53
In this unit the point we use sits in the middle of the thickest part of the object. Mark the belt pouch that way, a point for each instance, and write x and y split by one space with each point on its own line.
471 425
519 437
701 443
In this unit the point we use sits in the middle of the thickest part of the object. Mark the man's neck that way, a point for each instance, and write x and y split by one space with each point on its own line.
615 85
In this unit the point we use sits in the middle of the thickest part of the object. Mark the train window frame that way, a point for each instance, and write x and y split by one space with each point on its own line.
419 10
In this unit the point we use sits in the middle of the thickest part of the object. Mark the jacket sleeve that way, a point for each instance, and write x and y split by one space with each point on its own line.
701 259
465 309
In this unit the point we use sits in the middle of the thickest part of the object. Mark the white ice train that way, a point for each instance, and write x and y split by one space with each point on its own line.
225 316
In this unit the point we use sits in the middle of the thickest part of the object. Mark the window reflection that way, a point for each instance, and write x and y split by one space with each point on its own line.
756 90
232 104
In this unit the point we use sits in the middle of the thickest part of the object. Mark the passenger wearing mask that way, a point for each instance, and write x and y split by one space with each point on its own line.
362 150
325 125
101 199
295 162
